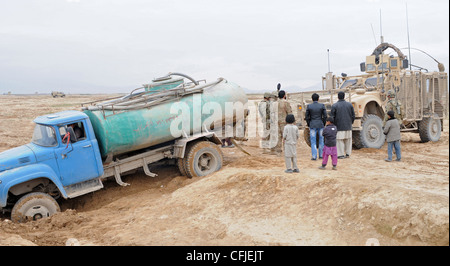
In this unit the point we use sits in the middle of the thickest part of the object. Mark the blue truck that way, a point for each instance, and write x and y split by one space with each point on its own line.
66 158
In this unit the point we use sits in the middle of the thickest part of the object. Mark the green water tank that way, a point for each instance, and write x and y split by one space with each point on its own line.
123 131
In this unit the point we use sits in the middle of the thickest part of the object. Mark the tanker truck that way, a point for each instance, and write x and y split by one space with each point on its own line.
72 152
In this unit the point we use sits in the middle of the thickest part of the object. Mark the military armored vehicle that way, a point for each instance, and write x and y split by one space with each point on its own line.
423 96
56 94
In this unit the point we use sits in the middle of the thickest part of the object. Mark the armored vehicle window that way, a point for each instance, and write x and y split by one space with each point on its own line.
44 136
371 82
393 62
348 83
370 67
383 66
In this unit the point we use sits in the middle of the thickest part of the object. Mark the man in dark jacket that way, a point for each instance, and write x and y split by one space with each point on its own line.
316 115
344 115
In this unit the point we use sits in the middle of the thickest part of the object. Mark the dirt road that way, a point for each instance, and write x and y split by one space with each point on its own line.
251 201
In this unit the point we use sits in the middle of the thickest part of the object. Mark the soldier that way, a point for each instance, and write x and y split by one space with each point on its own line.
273 121
284 108
393 105
264 112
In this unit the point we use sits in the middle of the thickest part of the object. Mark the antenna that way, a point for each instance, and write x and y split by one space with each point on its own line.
409 45
373 33
381 29
328 50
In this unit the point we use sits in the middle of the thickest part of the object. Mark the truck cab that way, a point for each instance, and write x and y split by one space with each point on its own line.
62 154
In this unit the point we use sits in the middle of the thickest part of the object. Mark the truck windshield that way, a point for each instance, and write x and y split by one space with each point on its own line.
44 136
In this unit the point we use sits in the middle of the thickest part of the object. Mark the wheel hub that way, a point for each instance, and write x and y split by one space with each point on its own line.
434 127
37 212
373 132
207 163
204 162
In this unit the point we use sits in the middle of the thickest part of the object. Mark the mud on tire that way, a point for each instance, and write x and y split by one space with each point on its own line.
430 128
307 137
34 206
203 158
371 136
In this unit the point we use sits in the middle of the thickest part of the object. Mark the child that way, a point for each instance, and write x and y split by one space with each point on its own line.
392 132
329 134
290 137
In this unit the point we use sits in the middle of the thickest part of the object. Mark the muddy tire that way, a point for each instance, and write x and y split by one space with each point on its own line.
180 164
308 138
371 135
34 206
430 129
203 158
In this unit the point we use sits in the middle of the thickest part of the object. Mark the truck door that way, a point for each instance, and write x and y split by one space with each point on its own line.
75 156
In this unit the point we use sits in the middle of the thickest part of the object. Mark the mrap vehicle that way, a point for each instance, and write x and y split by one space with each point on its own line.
423 96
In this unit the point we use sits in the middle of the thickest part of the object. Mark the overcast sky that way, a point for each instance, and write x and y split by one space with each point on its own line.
101 46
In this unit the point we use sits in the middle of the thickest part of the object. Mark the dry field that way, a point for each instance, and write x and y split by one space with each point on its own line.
251 201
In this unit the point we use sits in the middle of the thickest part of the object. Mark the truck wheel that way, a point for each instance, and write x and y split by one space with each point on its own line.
203 158
34 206
430 128
180 164
371 135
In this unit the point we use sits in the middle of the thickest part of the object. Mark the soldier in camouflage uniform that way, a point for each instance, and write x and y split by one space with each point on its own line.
264 112
283 109
393 105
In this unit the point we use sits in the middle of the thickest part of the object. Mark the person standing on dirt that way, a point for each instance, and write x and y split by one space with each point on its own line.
284 109
264 113
316 115
273 122
392 132
329 149
393 105
290 137
344 115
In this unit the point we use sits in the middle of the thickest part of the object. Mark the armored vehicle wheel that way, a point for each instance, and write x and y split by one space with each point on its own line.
34 206
203 158
308 138
371 135
430 128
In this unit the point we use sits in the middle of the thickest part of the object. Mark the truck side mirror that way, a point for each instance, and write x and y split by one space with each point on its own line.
405 63
362 66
